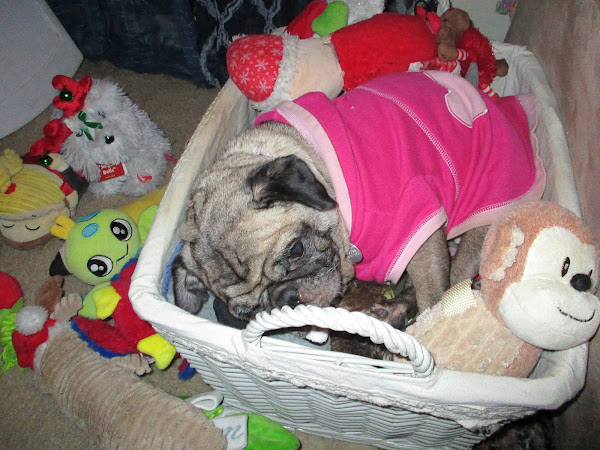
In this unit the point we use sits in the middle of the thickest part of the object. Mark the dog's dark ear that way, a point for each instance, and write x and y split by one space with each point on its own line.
288 178
190 293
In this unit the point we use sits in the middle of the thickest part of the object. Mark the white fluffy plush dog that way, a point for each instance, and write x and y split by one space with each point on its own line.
115 145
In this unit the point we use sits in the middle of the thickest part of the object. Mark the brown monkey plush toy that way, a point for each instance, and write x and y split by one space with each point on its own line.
539 279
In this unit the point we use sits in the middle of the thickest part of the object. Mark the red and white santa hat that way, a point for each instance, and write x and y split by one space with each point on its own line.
32 325
262 66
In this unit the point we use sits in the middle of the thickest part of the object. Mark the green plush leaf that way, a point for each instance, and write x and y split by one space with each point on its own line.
7 321
8 357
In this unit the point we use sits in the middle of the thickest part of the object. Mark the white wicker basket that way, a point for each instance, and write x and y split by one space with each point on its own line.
337 395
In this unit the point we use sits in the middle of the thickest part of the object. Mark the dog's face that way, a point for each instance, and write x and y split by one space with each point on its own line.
262 230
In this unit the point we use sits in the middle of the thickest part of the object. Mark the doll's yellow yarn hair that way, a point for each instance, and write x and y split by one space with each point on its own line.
26 188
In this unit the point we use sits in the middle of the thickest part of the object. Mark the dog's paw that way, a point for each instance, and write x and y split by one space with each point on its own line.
395 305
398 313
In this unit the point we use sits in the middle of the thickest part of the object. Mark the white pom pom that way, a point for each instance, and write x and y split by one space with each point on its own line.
31 319
318 335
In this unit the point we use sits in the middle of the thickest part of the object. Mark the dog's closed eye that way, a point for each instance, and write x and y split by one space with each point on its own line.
297 250
291 256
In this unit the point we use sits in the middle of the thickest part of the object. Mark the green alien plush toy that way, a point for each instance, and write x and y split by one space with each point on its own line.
101 249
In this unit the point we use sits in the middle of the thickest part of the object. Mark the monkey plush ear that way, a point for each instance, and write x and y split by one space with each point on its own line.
288 178
500 250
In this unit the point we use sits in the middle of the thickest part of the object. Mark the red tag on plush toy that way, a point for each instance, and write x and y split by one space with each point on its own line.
110 171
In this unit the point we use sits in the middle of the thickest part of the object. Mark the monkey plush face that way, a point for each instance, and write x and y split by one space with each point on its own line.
553 305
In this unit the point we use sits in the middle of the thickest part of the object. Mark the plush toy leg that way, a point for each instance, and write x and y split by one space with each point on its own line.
117 406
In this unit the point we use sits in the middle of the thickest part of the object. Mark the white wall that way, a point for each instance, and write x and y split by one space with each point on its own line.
484 16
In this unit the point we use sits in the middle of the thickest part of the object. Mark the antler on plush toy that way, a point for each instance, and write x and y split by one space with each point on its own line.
539 269
104 395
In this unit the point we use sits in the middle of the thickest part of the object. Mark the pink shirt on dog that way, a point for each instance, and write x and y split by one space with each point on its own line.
413 151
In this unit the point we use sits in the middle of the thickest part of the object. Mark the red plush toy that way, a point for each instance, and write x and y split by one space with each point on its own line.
33 325
11 291
101 249
479 51
270 68
26 330
70 101
55 133
460 44
11 301
30 328
72 94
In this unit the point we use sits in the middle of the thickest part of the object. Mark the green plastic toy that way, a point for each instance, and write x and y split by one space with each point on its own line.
248 431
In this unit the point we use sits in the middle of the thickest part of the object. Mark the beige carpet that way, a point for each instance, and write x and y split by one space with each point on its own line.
29 417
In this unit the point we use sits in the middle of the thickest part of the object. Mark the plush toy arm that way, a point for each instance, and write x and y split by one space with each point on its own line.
140 331
57 162
101 302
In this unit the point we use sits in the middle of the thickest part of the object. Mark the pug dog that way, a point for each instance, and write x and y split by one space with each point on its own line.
368 185
273 234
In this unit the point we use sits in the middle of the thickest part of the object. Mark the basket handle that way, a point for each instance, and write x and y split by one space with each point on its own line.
339 319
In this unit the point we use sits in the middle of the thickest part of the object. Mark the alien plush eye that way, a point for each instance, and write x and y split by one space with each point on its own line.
121 229
297 250
109 139
100 265
565 266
